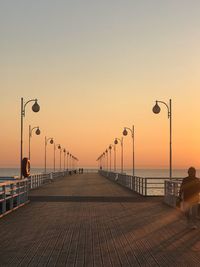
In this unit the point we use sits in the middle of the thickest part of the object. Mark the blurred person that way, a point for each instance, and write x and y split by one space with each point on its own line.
189 195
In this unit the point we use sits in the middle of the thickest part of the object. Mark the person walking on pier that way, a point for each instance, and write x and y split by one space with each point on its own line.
189 194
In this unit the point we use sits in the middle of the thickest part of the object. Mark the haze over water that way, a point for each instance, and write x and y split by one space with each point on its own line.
139 172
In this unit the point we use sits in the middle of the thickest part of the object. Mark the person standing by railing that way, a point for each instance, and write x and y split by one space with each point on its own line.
189 194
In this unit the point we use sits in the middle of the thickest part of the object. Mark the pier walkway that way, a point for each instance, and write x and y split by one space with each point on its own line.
86 220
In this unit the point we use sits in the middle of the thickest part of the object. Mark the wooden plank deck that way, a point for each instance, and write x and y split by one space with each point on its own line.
86 220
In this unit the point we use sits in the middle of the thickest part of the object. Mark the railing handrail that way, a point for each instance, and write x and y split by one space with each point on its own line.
142 185
12 182
14 193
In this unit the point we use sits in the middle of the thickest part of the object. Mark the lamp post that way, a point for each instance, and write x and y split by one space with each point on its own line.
70 161
106 153
114 147
35 108
64 151
76 162
67 160
59 147
50 140
116 142
125 132
37 132
104 160
110 148
100 161
156 110
60 156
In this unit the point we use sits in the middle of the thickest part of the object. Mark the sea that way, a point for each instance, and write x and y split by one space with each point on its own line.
154 186
177 173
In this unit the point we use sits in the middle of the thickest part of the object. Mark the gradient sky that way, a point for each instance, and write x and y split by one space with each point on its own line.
97 66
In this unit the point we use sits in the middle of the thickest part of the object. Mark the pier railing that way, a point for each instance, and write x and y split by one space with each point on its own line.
40 179
145 186
13 194
90 170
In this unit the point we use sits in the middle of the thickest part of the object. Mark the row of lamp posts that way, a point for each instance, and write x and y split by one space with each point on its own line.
104 156
71 160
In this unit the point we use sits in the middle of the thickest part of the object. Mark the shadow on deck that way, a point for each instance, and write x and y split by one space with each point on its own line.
91 199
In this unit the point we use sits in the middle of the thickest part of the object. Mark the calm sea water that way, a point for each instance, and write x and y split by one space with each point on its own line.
16 171
156 186
138 172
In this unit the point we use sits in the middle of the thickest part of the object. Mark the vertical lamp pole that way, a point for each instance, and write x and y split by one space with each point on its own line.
73 162
122 152
114 148
60 157
64 151
125 132
70 161
100 164
35 108
45 152
106 153
156 110
59 147
37 132
110 148
77 162
54 158
104 160
67 160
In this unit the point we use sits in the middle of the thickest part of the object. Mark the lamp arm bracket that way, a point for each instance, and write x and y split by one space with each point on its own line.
129 129
168 109
34 128
24 107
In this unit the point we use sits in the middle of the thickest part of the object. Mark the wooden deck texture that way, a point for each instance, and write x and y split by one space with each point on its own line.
86 220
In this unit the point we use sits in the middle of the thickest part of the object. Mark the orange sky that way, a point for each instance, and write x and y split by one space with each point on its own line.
95 69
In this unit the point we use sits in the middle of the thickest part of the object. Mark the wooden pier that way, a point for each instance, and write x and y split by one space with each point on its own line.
87 220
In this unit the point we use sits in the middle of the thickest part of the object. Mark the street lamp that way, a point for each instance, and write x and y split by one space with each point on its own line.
76 162
100 161
64 151
156 109
50 140
70 162
116 142
73 159
35 108
59 147
103 160
106 153
67 160
110 147
125 133
37 132
114 147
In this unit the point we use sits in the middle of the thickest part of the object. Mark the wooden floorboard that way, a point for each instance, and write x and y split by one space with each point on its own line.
87 220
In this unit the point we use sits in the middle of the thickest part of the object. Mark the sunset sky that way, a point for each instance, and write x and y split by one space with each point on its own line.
95 67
